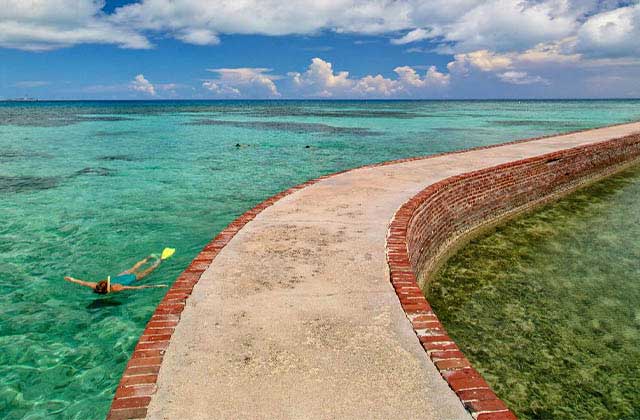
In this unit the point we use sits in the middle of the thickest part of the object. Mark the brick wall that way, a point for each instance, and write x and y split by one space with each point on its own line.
430 224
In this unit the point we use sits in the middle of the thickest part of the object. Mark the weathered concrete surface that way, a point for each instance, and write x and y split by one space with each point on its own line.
296 317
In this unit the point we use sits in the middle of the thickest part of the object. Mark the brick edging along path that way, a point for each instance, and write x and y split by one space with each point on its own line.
137 385
429 223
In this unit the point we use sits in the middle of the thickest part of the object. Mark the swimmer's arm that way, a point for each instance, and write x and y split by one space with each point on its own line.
81 282
143 287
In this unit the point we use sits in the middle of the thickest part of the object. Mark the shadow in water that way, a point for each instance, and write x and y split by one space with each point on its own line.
103 303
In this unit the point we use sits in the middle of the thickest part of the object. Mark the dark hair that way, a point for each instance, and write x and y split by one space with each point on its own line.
101 287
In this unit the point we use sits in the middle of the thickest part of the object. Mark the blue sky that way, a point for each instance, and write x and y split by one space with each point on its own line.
205 49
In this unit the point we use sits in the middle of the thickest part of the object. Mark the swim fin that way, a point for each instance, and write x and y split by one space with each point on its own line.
167 253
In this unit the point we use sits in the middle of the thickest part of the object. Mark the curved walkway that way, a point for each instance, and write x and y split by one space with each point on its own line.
296 316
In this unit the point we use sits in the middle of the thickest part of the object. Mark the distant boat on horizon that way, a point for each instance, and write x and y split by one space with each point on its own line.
23 99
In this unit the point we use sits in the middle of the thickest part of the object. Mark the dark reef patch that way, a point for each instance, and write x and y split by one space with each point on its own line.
9 155
18 184
124 158
293 127
320 113
50 116
120 133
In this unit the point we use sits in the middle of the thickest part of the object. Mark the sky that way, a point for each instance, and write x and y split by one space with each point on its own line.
319 49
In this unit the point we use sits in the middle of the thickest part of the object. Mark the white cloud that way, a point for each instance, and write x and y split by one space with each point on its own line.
613 33
41 25
321 80
413 36
600 29
140 84
377 86
483 60
198 37
409 77
320 76
220 90
245 80
560 52
520 78
541 55
504 25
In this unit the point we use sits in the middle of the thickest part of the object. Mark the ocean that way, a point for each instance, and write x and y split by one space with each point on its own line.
89 188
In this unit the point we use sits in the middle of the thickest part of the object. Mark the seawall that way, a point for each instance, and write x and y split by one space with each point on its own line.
308 305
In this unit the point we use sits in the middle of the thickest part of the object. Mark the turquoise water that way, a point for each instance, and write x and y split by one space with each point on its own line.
88 188
547 307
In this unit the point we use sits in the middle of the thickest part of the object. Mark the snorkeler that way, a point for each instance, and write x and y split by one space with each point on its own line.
124 280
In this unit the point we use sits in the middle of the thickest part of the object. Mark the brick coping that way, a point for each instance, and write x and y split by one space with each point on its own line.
138 382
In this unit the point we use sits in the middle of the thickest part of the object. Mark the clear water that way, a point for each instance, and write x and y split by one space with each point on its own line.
88 188
547 307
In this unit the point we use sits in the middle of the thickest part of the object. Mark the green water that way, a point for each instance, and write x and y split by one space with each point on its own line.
88 188
547 307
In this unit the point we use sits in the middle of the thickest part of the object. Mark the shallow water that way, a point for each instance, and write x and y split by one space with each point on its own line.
88 188
547 307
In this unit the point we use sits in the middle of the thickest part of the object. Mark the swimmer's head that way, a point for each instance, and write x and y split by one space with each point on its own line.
102 287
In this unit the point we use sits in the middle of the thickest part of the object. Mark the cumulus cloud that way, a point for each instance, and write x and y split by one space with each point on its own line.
513 67
600 28
41 25
321 80
483 60
506 25
219 89
140 84
409 77
252 81
520 78
614 33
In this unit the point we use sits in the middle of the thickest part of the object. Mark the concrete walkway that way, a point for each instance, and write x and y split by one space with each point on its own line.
296 317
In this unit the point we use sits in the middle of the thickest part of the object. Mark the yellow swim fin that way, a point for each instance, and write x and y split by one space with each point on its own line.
167 253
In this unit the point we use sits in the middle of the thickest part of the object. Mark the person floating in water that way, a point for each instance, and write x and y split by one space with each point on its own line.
124 280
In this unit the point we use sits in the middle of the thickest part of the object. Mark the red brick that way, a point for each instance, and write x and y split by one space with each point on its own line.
429 346
127 413
432 325
452 364
502 415
145 390
145 361
156 345
486 405
165 318
140 354
151 338
444 355
435 338
134 402
143 370
138 379
158 331
477 394
425 318
162 324
467 383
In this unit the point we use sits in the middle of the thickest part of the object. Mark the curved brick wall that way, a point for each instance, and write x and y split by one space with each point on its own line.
429 225
138 382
